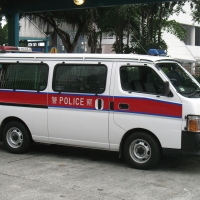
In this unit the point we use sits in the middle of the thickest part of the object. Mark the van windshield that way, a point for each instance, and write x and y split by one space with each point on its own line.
180 79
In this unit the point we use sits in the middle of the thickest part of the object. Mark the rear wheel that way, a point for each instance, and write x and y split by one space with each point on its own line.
141 150
16 137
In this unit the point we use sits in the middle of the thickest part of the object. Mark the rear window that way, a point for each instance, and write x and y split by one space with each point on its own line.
24 76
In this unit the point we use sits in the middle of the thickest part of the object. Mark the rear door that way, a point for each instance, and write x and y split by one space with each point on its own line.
78 104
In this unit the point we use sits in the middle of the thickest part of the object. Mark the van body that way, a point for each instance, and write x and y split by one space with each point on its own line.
141 106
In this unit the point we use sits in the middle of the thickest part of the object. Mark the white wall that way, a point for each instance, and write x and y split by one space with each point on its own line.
29 29
185 18
195 50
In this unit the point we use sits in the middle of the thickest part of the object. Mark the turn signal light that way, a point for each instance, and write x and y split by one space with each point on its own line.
193 124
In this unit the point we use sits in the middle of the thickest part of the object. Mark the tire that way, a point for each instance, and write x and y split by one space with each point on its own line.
141 150
16 137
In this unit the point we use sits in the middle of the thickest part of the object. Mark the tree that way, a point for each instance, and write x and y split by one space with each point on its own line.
96 26
92 31
118 23
153 20
195 7
4 34
77 19
23 43
144 23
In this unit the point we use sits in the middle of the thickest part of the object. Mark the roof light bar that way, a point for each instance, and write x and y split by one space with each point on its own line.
13 49
157 52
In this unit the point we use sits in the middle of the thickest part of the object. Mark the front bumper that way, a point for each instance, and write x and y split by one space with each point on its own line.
190 145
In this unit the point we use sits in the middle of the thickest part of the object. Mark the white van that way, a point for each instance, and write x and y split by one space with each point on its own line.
141 106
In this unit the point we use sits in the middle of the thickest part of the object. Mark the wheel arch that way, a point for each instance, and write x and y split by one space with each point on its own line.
9 119
132 131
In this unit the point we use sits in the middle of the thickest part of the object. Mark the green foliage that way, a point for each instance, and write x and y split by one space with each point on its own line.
175 28
153 19
120 22
23 43
93 31
142 24
197 77
195 7
3 34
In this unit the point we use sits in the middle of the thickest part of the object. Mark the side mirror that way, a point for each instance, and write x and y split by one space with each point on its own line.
166 90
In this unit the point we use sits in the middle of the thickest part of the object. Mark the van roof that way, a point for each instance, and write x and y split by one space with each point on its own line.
83 57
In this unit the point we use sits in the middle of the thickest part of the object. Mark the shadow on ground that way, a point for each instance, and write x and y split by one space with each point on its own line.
179 164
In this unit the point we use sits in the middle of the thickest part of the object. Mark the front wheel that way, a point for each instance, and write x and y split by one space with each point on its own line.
141 150
16 137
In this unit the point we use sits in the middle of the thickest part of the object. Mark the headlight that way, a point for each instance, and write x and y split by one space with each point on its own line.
193 123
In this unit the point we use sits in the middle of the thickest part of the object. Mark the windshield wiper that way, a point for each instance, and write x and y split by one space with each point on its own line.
191 95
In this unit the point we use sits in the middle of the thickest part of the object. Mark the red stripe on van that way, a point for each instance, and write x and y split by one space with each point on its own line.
136 105
149 106
33 98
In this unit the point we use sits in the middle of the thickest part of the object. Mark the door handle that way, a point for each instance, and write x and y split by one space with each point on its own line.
99 104
111 105
123 106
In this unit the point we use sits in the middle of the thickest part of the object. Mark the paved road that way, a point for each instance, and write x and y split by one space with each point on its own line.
57 172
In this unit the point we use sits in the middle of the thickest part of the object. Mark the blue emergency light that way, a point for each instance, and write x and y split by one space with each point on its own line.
157 52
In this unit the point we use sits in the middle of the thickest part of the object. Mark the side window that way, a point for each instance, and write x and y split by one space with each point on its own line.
129 75
141 79
24 76
80 78
152 82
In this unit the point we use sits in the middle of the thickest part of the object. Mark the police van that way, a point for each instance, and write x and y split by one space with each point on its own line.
141 106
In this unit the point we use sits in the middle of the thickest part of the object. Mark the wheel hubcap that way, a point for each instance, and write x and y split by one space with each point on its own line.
14 137
140 151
